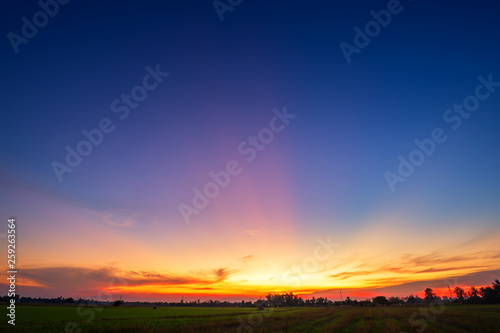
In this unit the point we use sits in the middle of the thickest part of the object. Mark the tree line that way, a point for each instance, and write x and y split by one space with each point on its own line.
482 295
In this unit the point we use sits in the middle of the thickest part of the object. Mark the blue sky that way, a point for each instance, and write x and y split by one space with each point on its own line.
323 174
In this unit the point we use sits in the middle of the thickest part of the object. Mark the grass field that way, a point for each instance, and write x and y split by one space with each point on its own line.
452 318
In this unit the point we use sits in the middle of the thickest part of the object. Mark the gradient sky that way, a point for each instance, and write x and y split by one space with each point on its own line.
113 225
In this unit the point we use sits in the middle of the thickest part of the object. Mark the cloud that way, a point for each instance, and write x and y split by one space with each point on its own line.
118 217
138 278
254 232
438 262
435 270
67 280
415 267
72 280
401 287
345 275
222 273
246 258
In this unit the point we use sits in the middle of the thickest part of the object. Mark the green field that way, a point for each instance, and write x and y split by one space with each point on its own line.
451 318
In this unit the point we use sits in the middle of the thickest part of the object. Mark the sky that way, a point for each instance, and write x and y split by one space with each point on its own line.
227 150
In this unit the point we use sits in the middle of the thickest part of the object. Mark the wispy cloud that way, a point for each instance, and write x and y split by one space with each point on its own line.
254 232
118 217
245 259
408 267
222 273
401 287
73 279
345 275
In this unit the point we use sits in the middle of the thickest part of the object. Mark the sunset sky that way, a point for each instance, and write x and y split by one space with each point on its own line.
308 208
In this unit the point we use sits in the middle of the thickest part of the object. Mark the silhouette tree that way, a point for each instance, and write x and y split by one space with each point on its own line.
118 303
473 292
473 295
496 286
491 295
395 300
380 300
460 292
429 295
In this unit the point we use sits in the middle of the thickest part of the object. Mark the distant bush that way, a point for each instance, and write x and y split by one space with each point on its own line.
117 303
